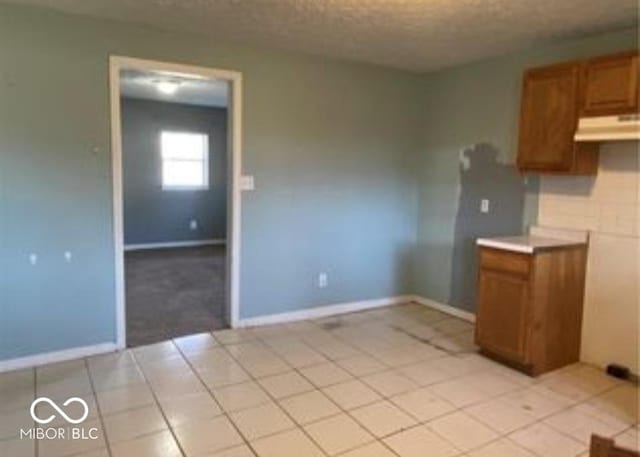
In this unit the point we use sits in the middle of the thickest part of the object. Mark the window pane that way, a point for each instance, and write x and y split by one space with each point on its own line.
181 145
178 173
185 159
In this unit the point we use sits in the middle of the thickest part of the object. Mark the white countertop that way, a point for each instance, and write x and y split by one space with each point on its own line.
527 244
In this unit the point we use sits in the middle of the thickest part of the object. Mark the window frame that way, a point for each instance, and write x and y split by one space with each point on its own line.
204 161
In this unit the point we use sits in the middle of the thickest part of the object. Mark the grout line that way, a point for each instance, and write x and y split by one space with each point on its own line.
157 402
100 416
211 394
539 420
36 445
275 401
571 406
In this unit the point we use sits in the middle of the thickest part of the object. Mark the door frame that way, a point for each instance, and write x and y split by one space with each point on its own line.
234 170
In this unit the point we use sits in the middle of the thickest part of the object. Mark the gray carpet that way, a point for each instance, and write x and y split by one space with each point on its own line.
174 292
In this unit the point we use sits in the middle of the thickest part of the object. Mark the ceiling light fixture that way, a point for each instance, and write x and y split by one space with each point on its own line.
167 86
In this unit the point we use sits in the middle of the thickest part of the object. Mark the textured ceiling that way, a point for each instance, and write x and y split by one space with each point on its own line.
416 35
191 91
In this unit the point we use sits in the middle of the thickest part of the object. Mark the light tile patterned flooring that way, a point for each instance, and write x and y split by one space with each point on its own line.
399 381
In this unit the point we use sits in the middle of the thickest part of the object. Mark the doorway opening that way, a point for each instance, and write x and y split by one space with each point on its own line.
176 175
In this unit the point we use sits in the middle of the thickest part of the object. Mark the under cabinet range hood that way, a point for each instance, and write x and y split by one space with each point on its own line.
609 128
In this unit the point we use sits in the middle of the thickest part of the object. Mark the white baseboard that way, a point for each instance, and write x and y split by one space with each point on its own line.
303 314
174 244
324 311
56 356
448 309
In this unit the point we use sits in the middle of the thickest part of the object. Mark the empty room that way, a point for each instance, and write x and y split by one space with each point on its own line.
319 229
174 200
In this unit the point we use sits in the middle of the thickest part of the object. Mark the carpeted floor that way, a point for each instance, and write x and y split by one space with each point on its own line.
174 292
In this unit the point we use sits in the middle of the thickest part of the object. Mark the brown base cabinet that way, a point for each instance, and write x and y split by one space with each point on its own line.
529 311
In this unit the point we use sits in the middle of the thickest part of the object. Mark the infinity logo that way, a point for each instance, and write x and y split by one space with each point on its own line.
37 401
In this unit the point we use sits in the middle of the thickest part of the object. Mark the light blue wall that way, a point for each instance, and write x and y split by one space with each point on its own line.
155 215
463 107
327 142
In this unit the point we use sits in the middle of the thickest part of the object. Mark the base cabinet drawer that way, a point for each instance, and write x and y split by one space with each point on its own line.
505 261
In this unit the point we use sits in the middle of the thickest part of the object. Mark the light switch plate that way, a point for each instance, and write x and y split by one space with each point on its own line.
247 182
484 205
323 280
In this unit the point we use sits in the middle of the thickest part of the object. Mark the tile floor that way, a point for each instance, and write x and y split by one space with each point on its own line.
400 381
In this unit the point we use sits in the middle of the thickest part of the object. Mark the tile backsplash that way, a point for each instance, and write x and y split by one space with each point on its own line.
606 203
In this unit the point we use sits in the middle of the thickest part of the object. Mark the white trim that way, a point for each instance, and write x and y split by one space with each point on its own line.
56 356
117 63
498 244
528 244
448 309
174 244
324 311
234 220
118 217
311 313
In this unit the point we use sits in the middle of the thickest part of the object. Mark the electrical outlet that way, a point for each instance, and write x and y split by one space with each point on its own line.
323 280
193 224
484 205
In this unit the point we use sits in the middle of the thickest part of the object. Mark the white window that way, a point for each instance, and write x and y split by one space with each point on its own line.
185 160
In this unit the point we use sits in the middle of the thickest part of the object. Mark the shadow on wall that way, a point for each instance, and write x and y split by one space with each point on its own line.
482 176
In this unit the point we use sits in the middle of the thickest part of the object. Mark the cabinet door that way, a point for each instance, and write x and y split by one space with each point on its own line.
501 319
611 85
548 118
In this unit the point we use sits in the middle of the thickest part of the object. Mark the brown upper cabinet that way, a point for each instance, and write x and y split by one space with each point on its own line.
553 99
548 119
611 85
